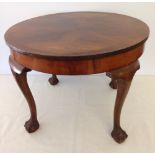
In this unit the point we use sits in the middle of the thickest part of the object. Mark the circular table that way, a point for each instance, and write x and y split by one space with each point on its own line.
78 43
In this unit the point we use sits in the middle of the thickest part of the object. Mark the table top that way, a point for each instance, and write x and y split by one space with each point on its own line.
76 35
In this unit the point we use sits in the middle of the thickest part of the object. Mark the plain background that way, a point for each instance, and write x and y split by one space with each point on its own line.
12 13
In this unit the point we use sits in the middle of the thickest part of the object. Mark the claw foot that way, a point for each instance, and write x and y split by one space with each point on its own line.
53 80
119 135
31 125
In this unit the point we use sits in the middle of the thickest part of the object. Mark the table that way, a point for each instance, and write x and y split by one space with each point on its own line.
78 43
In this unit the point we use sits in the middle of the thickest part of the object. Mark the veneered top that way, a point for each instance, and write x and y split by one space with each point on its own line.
77 35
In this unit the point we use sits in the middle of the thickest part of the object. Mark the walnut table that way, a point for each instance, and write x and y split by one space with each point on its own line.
78 43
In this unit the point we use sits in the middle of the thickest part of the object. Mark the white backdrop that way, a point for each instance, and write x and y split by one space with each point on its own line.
11 13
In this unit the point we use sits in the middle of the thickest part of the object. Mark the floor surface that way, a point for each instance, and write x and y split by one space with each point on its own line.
76 115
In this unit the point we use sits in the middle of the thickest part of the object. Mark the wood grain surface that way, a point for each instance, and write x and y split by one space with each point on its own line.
77 35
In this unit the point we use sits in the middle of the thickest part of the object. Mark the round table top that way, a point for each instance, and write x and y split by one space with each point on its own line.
77 34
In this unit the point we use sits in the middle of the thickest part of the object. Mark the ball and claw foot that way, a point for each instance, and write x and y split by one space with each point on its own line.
119 135
31 125
53 80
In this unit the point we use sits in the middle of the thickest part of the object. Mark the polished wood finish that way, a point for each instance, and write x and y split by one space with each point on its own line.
20 74
78 67
77 35
78 43
123 76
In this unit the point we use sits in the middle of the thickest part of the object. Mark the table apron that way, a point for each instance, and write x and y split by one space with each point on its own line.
78 67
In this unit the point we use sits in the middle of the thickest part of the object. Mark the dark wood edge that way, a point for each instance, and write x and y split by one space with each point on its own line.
83 57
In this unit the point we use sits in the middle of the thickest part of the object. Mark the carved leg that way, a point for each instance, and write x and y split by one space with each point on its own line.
113 83
124 77
53 80
19 72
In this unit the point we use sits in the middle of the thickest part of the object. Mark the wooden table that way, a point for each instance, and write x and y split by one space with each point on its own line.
78 43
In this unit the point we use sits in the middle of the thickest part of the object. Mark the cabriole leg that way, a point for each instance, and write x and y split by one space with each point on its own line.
123 77
20 74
